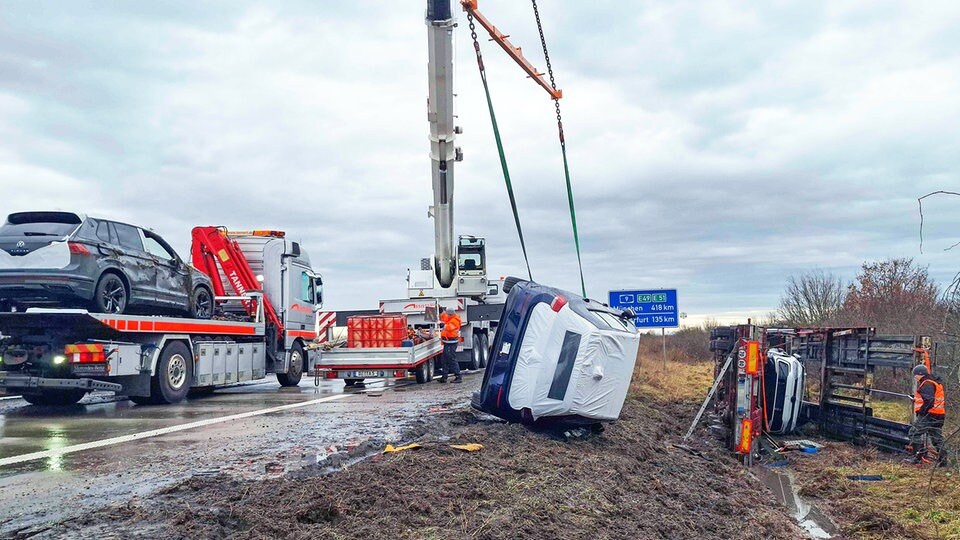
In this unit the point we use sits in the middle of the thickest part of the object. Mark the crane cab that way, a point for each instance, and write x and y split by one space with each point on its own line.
471 266
470 279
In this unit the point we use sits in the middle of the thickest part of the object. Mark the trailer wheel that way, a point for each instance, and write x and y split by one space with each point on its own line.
423 372
58 398
475 358
484 350
431 368
295 373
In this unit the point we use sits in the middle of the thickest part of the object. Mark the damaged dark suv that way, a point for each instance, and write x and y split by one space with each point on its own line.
64 259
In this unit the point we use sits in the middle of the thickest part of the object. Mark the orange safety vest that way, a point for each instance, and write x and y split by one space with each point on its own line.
451 327
939 402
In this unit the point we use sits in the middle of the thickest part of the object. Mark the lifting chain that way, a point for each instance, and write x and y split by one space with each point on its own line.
546 57
563 148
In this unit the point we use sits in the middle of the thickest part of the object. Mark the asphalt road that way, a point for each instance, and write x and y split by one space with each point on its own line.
57 463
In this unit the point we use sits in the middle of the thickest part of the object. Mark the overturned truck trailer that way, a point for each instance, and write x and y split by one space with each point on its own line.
825 376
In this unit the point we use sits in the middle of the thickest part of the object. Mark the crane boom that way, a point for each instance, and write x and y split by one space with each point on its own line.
443 152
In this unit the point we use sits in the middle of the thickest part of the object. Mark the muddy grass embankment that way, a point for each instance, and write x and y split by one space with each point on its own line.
627 483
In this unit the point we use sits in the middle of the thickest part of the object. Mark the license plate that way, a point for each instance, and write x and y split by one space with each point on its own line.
363 373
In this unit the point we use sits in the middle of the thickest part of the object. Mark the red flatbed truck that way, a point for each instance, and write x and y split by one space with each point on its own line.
56 356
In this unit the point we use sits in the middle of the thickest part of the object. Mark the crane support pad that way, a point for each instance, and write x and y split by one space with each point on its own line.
18 382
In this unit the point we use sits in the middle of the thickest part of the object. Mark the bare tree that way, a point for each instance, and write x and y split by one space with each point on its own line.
811 299
896 297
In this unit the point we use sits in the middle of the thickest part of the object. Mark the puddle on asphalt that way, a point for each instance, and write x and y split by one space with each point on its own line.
782 483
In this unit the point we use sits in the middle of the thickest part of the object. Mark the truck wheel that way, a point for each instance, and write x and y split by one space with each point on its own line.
174 374
295 373
110 296
431 367
475 358
484 350
59 398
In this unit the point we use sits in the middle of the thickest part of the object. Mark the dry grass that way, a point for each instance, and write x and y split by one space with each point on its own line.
675 380
894 410
909 502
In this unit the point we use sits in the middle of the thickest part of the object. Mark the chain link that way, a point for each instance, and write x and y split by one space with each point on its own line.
476 44
546 57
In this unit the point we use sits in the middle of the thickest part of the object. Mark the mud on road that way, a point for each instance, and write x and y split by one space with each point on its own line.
626 483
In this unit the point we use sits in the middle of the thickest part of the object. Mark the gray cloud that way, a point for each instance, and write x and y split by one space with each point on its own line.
715 147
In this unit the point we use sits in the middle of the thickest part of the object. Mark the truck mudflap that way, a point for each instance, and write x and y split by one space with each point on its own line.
19 383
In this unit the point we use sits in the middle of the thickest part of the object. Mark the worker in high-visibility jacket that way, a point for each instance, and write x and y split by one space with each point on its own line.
929 407
450 336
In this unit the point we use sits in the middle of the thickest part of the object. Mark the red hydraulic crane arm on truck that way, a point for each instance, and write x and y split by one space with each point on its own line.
214 251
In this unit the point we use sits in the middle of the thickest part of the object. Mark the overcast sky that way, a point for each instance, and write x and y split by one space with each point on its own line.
715 147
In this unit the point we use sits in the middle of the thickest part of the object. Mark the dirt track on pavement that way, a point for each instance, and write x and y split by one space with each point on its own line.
627 483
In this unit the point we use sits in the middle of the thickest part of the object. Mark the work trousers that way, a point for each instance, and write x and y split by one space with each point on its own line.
450 364
932 428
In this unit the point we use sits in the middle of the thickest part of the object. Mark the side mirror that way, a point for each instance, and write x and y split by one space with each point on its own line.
318 287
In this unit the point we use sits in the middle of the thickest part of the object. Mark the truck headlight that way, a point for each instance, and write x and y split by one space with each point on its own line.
59 359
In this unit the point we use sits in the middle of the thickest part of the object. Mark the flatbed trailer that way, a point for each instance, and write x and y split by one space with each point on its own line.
356 364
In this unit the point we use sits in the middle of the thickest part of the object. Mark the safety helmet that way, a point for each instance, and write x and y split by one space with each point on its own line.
921 370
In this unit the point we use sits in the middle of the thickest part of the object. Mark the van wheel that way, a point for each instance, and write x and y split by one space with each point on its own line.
509 282
202 305
295 372
174 374
110 295
57 398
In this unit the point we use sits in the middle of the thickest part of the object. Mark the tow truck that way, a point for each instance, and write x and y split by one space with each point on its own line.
56 356
456 277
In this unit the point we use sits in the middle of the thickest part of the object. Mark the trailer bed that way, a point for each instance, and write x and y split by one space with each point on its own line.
379 358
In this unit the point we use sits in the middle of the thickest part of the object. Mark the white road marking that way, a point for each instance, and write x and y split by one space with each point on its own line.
9 397
13 460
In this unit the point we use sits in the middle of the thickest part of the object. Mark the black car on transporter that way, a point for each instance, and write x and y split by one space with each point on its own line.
64 259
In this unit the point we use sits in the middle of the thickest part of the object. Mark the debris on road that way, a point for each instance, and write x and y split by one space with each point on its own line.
472 447
391 448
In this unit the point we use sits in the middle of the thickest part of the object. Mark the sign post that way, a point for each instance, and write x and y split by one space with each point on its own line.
654 308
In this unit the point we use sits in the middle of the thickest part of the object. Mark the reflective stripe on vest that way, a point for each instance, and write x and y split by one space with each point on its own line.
939 402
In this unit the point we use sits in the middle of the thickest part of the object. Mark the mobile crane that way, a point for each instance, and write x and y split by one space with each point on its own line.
456 276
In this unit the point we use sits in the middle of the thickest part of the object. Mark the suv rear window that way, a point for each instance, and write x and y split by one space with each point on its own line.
40 224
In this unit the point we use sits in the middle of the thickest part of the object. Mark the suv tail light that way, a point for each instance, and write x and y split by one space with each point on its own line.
558 303
78 248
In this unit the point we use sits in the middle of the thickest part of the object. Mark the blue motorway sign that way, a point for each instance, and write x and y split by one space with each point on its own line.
655 308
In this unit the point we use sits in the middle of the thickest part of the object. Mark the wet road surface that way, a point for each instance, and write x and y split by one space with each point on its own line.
57 463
